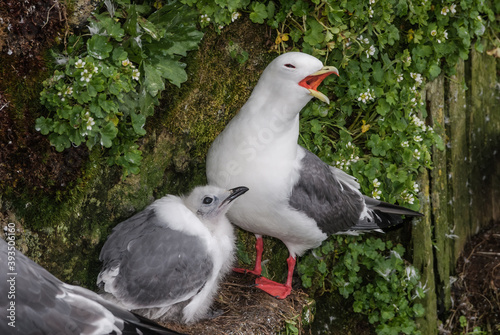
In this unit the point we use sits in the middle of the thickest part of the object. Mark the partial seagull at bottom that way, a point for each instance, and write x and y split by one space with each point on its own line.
35 302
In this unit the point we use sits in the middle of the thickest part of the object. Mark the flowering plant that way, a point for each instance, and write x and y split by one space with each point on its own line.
108 83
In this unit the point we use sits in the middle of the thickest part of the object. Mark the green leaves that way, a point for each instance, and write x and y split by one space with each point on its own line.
379 147
386 296
258 12
105 92
44 125
108 133
314 34
98 47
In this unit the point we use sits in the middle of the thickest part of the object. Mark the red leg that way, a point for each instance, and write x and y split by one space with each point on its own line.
280 291
259 248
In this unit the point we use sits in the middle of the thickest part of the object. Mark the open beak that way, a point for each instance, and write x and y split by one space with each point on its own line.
312 82
234 193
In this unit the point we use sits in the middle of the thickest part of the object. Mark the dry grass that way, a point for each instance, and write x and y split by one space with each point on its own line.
248 310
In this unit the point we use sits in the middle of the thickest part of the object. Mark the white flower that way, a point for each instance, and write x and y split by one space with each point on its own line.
376 194
417 138
235 16
204 18
416 154
376 182
126 62
370 51
135 74
416 187
445 34
408 197
399 78
69 90
86 76
370 12
405 144
417 76
363 39
79 64
96 69
90 122
434 32
453 8
372 2
417 122
366 96
445 10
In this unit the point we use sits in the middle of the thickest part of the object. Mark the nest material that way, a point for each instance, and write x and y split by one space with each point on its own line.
248 310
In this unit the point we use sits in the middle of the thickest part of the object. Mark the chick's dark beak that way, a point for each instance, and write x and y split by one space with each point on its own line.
234 193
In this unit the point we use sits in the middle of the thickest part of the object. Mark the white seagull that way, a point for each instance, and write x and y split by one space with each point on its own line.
294 196
35 302
166 262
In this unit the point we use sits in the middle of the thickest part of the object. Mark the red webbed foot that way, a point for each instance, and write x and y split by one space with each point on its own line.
277 290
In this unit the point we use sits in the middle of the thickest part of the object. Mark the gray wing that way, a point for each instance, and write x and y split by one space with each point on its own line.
45 305
332 202
331 197
158 266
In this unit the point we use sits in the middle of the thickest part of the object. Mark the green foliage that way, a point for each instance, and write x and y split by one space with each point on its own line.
291 326
110 80
373 272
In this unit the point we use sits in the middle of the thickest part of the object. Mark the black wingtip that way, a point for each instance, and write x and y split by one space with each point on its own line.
388 208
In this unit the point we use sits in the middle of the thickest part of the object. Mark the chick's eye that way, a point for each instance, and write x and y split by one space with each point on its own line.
290 66
207 200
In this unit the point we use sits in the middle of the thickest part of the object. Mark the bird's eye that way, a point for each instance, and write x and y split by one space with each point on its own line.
290 66
207 200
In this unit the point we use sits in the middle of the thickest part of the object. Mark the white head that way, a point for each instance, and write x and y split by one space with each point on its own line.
295 75
209 203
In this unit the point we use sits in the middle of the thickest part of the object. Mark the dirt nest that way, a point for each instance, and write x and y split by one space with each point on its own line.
248 310
476 292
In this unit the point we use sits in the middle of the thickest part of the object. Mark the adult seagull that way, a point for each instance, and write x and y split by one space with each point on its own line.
35 302
166 262
294 196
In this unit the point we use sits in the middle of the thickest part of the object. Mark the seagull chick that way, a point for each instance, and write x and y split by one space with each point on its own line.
36 302
166 262
295 196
